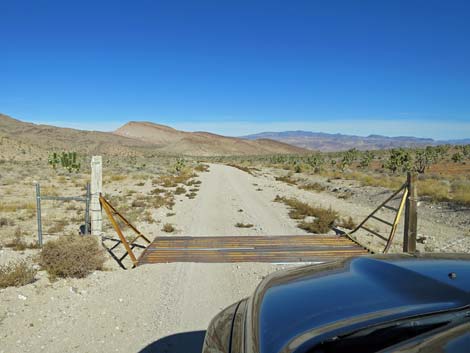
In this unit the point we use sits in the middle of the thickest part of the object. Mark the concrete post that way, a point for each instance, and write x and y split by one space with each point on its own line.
96 189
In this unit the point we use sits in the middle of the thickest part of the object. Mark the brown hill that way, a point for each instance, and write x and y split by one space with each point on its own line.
25 141
32 140
170 140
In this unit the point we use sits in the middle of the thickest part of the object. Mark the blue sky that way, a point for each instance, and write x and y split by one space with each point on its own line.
237 67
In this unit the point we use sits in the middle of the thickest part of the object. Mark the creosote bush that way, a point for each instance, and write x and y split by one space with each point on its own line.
72 256
324 218
16 274
168 228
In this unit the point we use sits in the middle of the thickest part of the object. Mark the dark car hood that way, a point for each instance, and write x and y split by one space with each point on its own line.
319 301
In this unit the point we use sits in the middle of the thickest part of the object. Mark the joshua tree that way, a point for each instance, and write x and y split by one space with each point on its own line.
399 160
424 159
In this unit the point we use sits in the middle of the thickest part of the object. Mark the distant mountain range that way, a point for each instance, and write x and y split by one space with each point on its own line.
338 142
25 141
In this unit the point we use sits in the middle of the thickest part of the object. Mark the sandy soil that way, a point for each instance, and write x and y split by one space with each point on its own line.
125 311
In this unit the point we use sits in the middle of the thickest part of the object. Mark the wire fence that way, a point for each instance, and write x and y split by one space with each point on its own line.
61 211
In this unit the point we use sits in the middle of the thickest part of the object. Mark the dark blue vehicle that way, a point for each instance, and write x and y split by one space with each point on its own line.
388 303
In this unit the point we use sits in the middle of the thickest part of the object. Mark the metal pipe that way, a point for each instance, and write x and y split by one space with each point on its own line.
87 209
38 213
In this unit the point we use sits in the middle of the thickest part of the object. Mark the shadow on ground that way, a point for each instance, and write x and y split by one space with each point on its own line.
185 342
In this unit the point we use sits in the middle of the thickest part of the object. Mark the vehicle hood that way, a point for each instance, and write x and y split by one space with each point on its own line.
315 302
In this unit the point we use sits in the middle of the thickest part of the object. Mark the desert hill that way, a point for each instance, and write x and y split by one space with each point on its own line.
24 141
36 139
170 140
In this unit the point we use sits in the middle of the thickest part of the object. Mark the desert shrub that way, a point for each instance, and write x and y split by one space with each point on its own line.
242 168
180 190
6 222
16 274
117 177
347 223
57 227
201 168
138 203
324 217
191 195
147 217
157 191
18 243
72 256
243 225
286 179
193 183
312 186
318 226
437 190
166 200
168 228
461 192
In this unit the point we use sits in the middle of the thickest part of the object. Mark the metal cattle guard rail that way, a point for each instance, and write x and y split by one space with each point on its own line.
295 248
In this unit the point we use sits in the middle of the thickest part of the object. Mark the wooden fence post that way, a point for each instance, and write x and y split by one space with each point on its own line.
96 189
411 215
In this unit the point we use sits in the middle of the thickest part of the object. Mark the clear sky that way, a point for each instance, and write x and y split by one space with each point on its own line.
236 67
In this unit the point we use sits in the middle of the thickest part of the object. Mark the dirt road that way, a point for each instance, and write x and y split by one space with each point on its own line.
163 307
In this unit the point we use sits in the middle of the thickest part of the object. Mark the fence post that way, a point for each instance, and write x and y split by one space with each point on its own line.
411 215
96 189
38 213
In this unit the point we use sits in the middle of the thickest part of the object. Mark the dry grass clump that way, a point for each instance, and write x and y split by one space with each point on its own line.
57 227
168 228
5 222
248 170
324 218
157 191
72 256
116 178
191 195
170 181
138 203
16 274
180 190
17 206
437 190
18 243
461 192
286 179
347 223
243 225
312 187
167 200
201 168
147 217
193 183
